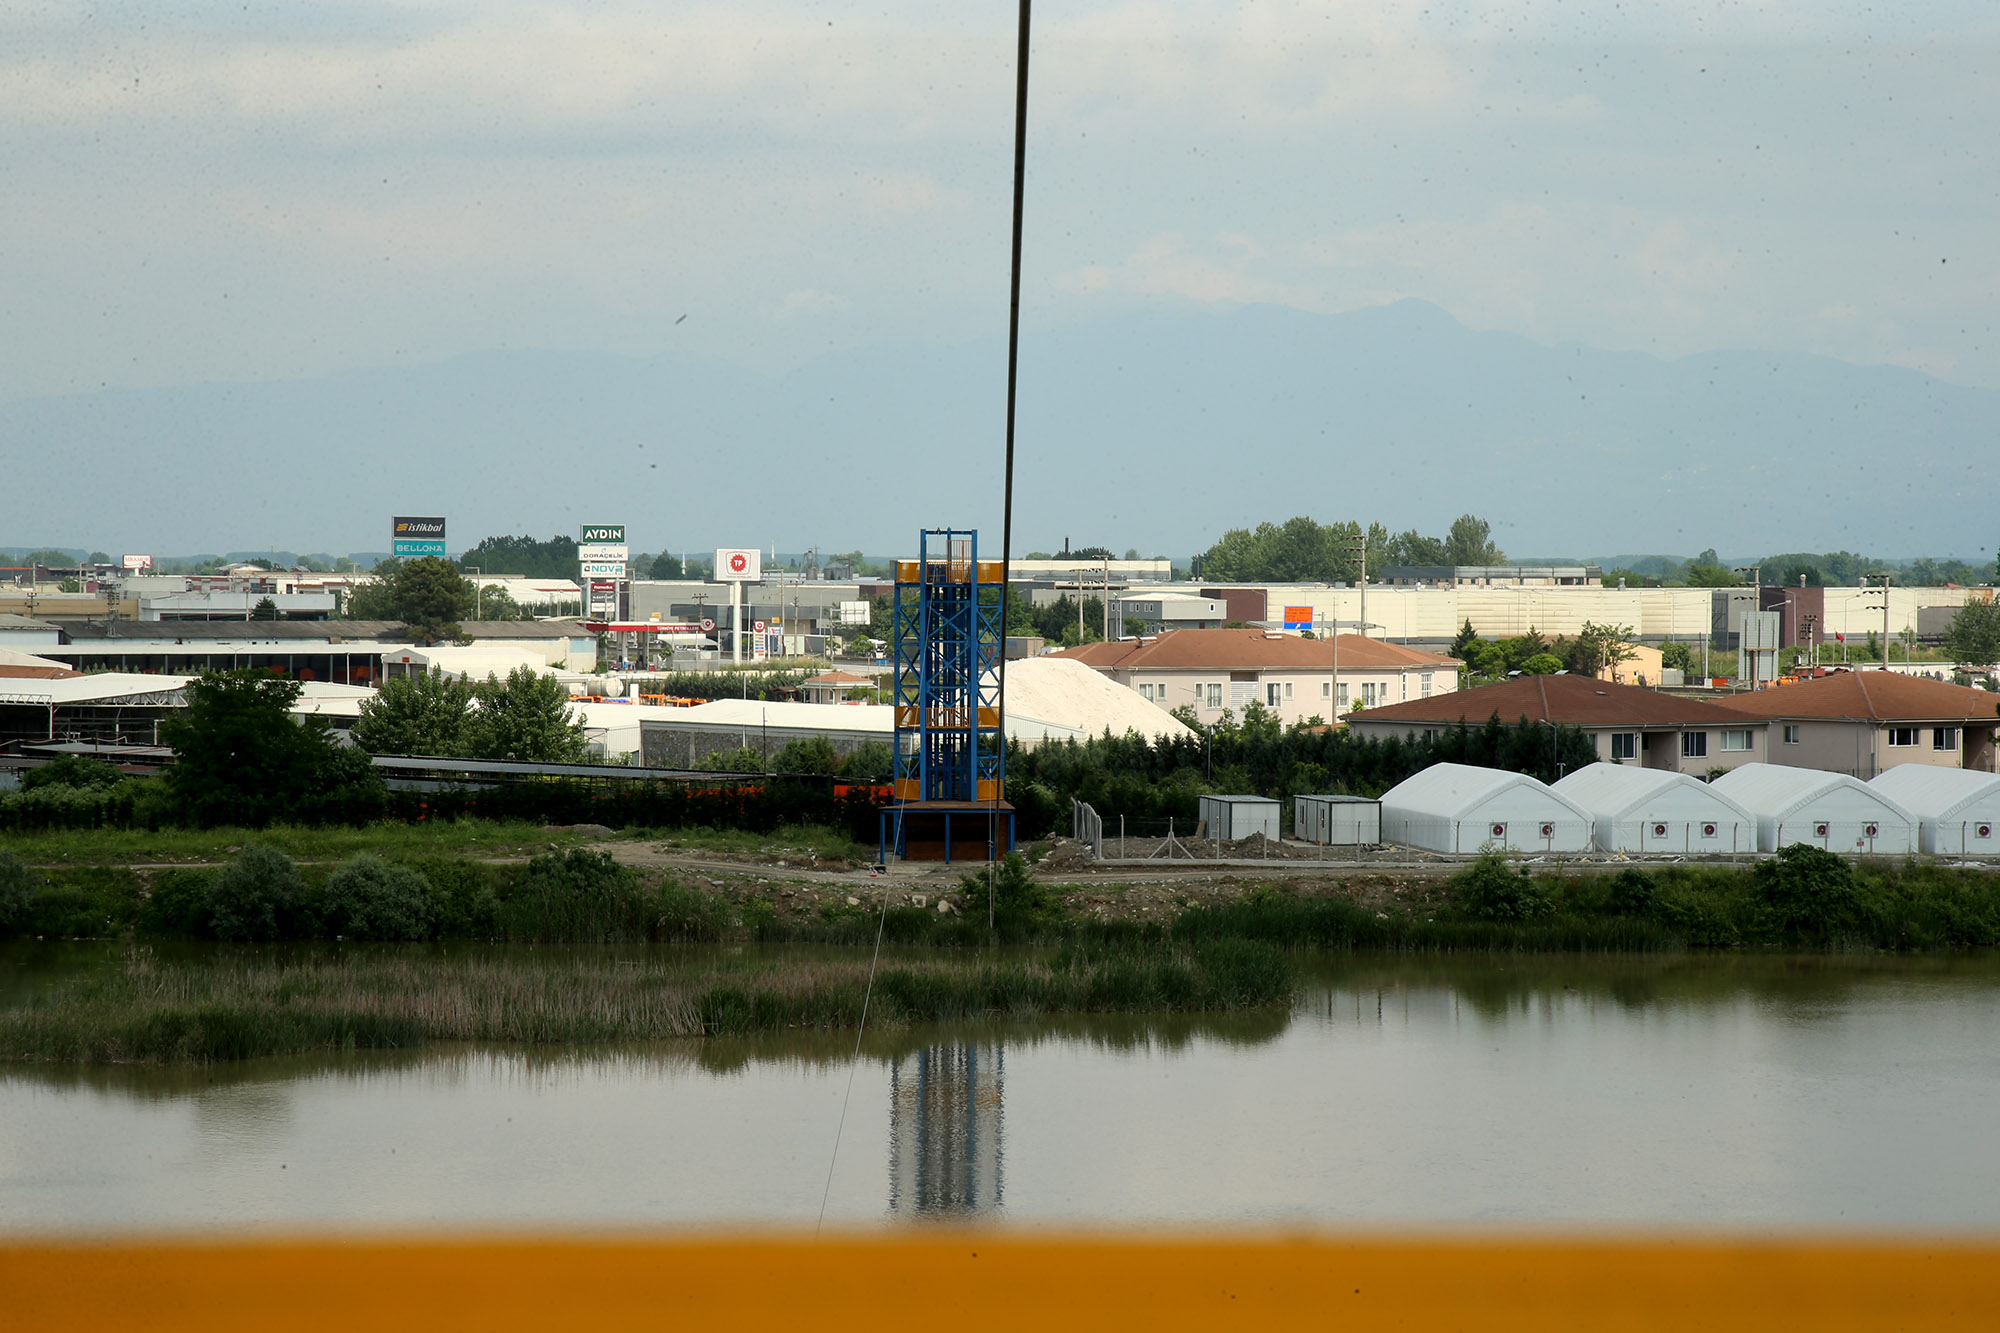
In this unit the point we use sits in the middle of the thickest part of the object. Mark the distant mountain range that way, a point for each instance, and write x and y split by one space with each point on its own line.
1155 431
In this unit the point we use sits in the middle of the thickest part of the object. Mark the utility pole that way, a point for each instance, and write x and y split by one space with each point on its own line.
1107 599
1884 576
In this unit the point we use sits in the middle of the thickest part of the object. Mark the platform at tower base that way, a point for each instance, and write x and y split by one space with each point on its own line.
947 830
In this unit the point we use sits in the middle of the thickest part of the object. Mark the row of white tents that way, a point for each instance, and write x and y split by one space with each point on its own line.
1647 811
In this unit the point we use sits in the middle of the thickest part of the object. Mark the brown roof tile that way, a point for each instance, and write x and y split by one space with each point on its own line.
1881 696
1248 650
1566 700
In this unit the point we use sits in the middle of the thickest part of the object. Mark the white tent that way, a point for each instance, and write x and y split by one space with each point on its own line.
1635 809
1459 808
1829 810
1957 809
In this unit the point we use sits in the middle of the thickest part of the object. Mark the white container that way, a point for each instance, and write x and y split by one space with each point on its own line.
1342 820
1233 817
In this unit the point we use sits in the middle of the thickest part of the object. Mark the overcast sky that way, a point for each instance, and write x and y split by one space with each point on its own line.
200 191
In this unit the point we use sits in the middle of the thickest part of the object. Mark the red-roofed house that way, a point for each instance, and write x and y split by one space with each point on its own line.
1862 722
1628 724
1212 670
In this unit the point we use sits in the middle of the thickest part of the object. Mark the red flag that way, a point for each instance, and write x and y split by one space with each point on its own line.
1838 635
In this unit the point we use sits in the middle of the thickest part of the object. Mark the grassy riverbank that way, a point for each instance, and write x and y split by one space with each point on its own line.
152 1009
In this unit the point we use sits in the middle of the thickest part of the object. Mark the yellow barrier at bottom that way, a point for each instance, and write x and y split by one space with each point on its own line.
1013 1281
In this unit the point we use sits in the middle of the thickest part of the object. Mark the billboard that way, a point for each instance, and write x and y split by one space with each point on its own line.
603 551
602 532
1298 617
738 566
136 563
417 537
604 569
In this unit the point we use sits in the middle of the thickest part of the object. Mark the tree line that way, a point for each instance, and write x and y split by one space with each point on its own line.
1303 550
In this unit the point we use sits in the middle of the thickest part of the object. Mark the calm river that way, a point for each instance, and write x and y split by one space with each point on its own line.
1730 1093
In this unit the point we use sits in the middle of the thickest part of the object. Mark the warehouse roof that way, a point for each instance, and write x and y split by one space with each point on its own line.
1880 696
1070 697
1577 701
1247 650
336 631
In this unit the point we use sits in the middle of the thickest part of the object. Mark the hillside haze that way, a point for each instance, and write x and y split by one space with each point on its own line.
1157 431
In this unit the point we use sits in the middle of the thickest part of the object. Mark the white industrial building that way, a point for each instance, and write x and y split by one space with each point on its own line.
1337 820
1957 810
1460 808
1828 810
1657 811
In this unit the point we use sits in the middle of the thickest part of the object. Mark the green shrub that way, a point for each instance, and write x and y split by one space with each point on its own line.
369 899
72 770
1019 899
90 902
1808 891
464 904
17 889
1491 890
177 907
256 896
579 897
1633 893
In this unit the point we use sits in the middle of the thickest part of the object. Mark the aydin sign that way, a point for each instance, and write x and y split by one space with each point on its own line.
739 566
593 533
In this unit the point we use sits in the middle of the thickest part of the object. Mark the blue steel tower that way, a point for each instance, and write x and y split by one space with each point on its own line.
950 756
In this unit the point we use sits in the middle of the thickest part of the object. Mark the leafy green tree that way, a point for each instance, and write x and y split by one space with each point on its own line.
1464 642
1541 664
526 717
1677 656
241 758
666 565
1599 646
1413 548
1701 574
427 595
1799 573
553 559
1470 543
429 714
266 609
1974 636
810 754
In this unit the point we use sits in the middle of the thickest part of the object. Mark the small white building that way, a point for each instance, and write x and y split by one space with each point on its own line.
1461 808
1827 810
1957 810
1232 817
1658 811
1337 820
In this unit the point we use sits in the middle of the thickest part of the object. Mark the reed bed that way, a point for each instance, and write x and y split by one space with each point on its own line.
152 1011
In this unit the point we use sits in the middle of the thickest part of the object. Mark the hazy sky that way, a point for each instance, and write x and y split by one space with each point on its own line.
202 191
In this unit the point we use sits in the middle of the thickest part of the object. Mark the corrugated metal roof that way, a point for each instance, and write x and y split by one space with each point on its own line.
103 687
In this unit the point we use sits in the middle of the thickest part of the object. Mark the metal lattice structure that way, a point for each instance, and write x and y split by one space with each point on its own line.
949 645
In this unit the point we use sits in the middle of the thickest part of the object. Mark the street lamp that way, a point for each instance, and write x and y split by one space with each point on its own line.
478 591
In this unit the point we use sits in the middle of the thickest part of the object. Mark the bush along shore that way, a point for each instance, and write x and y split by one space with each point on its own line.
1210 956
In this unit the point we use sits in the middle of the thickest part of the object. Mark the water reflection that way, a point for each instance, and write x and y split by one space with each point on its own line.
946 1121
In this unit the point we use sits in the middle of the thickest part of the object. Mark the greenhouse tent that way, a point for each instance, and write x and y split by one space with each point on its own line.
1459 808
1656 810
1957 809
1828 810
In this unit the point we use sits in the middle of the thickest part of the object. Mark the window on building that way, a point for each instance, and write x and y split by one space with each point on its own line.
1326 689
1273 692
1735 740
1343 694
1791 733
1215 696
1370 692
1430 733
1944 738
1624 745
1902 735
1288 689
1694 745
1427 684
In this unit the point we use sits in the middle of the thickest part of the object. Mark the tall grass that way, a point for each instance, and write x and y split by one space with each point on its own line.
153 1011
393 841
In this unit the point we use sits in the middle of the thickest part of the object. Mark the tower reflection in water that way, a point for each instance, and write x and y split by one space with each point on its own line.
945 1150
